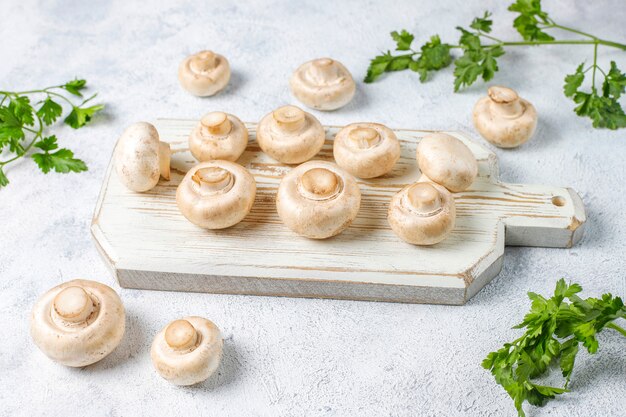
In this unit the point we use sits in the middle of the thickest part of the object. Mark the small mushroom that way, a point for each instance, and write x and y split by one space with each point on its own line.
187 351
422 213
323 84
447 161
141 158
78 322
290 135
218 136
318 199
204 73
216 194
504 118
366 150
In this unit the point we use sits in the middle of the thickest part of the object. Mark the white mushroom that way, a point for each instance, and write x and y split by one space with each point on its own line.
187 351
447 161
290 135
318 199
504 118
323 84
216 194
422 213
366 150
78 323
204 73
141 158
218 135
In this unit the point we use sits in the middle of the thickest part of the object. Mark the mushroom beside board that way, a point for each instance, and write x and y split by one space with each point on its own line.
78 322
141 158
318 199
218 135
366 150
323 84
187 351
204 73
504 118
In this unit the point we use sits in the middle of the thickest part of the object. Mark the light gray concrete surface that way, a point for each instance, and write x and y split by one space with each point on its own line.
294 357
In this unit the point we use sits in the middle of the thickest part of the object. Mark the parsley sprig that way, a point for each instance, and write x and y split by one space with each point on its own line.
480 49
22 125
555 329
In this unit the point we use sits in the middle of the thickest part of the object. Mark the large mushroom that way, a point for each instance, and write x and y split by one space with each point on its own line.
78 322
318 199
323 84
204 73
504 118
422 213
219 135
447 161
187 351
290 135
366 150
216 194
141 158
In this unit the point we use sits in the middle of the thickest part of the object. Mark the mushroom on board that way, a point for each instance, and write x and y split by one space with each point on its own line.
290 135
422 213
216 194
141 158
366 150
187 351
218 135
447 161
318 199
504 118
204 73
323 84
78 322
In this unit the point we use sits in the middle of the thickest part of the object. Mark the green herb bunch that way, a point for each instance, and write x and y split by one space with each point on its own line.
480 51
23 122
555 329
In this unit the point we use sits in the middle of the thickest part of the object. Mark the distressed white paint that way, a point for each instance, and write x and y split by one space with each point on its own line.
149 244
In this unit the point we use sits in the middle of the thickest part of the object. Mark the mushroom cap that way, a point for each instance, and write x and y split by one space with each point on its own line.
323 84
447 161
140 158
503 118
78 322
422 213
218 135
366 150
187 351
290 135
216 194
204 73
318 199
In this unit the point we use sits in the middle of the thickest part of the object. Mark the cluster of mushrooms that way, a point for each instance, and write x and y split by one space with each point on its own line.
80 322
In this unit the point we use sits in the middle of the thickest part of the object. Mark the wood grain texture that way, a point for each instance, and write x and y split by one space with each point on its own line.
148 244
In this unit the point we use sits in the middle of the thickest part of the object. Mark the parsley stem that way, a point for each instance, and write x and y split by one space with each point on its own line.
617 328
595 65
568 29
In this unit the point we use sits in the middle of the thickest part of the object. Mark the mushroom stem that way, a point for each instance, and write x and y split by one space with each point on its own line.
217 123
164 159
424 199
73 305
364 137
289 118
505 102
203 62
319 184
322 71
213 180
180 335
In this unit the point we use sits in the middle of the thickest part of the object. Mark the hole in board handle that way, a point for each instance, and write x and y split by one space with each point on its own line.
559 201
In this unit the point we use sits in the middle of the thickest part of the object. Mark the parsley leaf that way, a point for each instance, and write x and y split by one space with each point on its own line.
61 161
482 24
10 126
573 81
477 60
614 83
80 116
403 40
531 16
378 66
74 87
50 111
22 110
434 56
4 181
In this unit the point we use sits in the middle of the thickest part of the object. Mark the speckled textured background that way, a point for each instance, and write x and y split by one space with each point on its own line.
297 356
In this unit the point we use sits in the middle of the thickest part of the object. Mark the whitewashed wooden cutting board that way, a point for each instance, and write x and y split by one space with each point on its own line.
148 244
